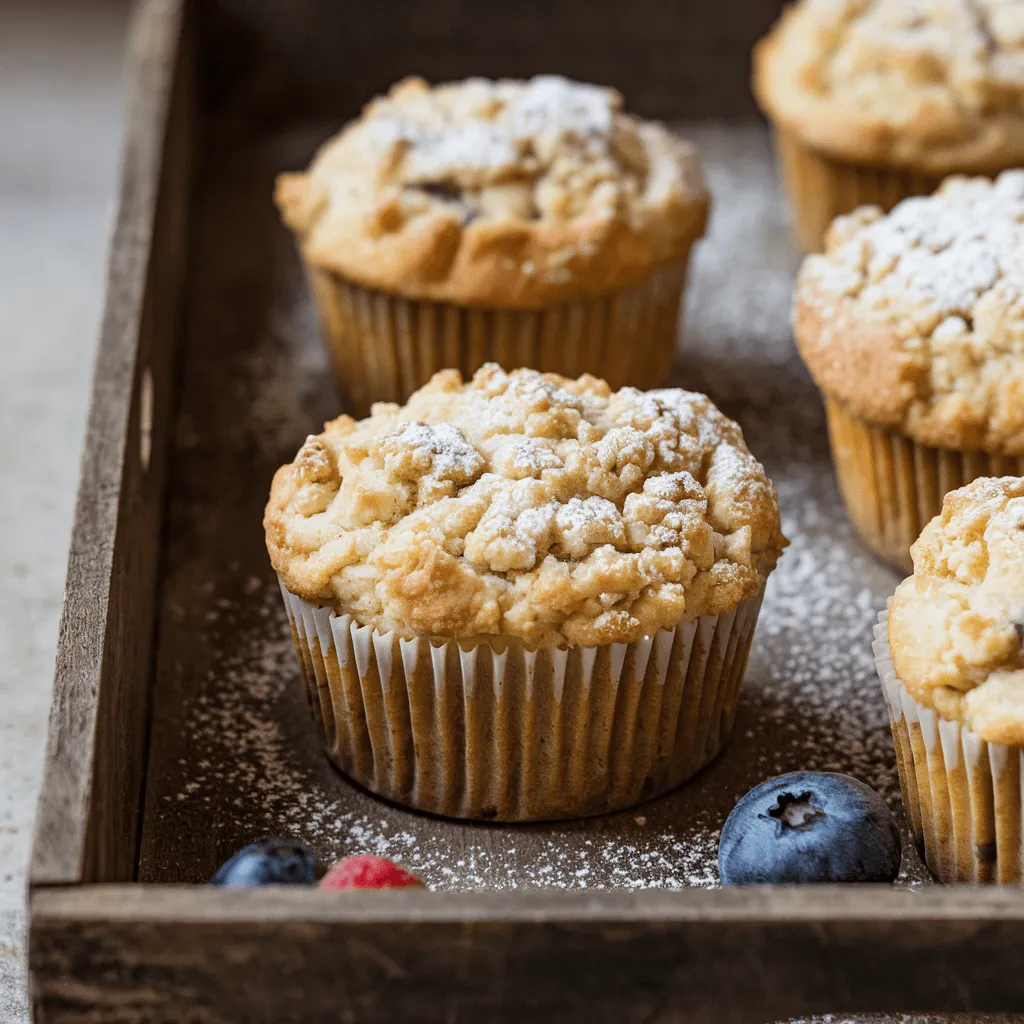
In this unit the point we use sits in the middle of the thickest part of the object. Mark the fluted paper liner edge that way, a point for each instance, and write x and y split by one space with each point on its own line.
820 188
892 486
496 731
962 794
385 346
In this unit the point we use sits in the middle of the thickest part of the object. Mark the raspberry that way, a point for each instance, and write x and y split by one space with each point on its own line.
368 872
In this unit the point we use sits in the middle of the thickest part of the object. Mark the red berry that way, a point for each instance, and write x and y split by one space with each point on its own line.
367 872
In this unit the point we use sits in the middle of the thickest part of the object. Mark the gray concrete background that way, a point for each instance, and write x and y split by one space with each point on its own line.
60 110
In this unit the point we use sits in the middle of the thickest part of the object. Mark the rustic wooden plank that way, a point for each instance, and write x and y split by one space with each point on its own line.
812 905
89 811
140 953
671 59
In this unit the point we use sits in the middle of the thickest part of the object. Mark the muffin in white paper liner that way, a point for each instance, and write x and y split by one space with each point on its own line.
493 730
962 794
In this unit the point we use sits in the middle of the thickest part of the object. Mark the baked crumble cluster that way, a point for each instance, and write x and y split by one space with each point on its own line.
527 505
505 192
956 627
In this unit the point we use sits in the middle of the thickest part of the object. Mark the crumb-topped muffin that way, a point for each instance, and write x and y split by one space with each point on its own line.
877 100
950 655
496 196
956 626
912 325
553 525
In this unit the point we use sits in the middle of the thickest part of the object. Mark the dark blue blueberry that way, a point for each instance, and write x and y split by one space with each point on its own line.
809 827
270 862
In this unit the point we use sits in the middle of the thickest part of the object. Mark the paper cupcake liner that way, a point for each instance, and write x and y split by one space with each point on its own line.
384 346
820 188
961 793
500 732
893 487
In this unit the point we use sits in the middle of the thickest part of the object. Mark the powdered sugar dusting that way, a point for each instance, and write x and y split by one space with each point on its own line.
551 107
480 132
473 148
242 741
587 516
940 253
441 446
545 113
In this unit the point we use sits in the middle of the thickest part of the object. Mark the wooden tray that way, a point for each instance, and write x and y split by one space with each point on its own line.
178 729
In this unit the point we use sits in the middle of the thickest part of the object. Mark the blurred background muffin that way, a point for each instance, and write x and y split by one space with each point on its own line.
531 223
876 100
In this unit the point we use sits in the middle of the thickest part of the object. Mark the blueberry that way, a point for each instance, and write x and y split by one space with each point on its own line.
270 862
809 827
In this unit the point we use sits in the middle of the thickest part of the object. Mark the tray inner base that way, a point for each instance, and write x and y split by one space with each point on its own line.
233 756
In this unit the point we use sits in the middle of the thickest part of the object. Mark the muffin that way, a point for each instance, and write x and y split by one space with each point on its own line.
874 101
912 324
532 223
525 597
951 662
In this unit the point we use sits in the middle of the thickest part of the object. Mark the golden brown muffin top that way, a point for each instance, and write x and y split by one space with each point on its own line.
527 505
915 320
931 85
510 194
956 626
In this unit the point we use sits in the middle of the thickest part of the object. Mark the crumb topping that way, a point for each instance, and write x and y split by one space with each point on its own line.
529 505
934 292
475 180
934 84
956 626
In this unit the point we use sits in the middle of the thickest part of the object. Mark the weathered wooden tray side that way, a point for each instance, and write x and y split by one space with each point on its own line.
164 953
90 807
143 953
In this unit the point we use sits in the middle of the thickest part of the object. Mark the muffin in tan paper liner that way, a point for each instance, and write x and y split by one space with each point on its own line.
911 324
821 188
874 101
530 223
948 653
384 346
524 597
962 794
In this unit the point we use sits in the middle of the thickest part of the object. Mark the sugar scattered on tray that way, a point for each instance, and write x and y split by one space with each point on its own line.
243 745
811 701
